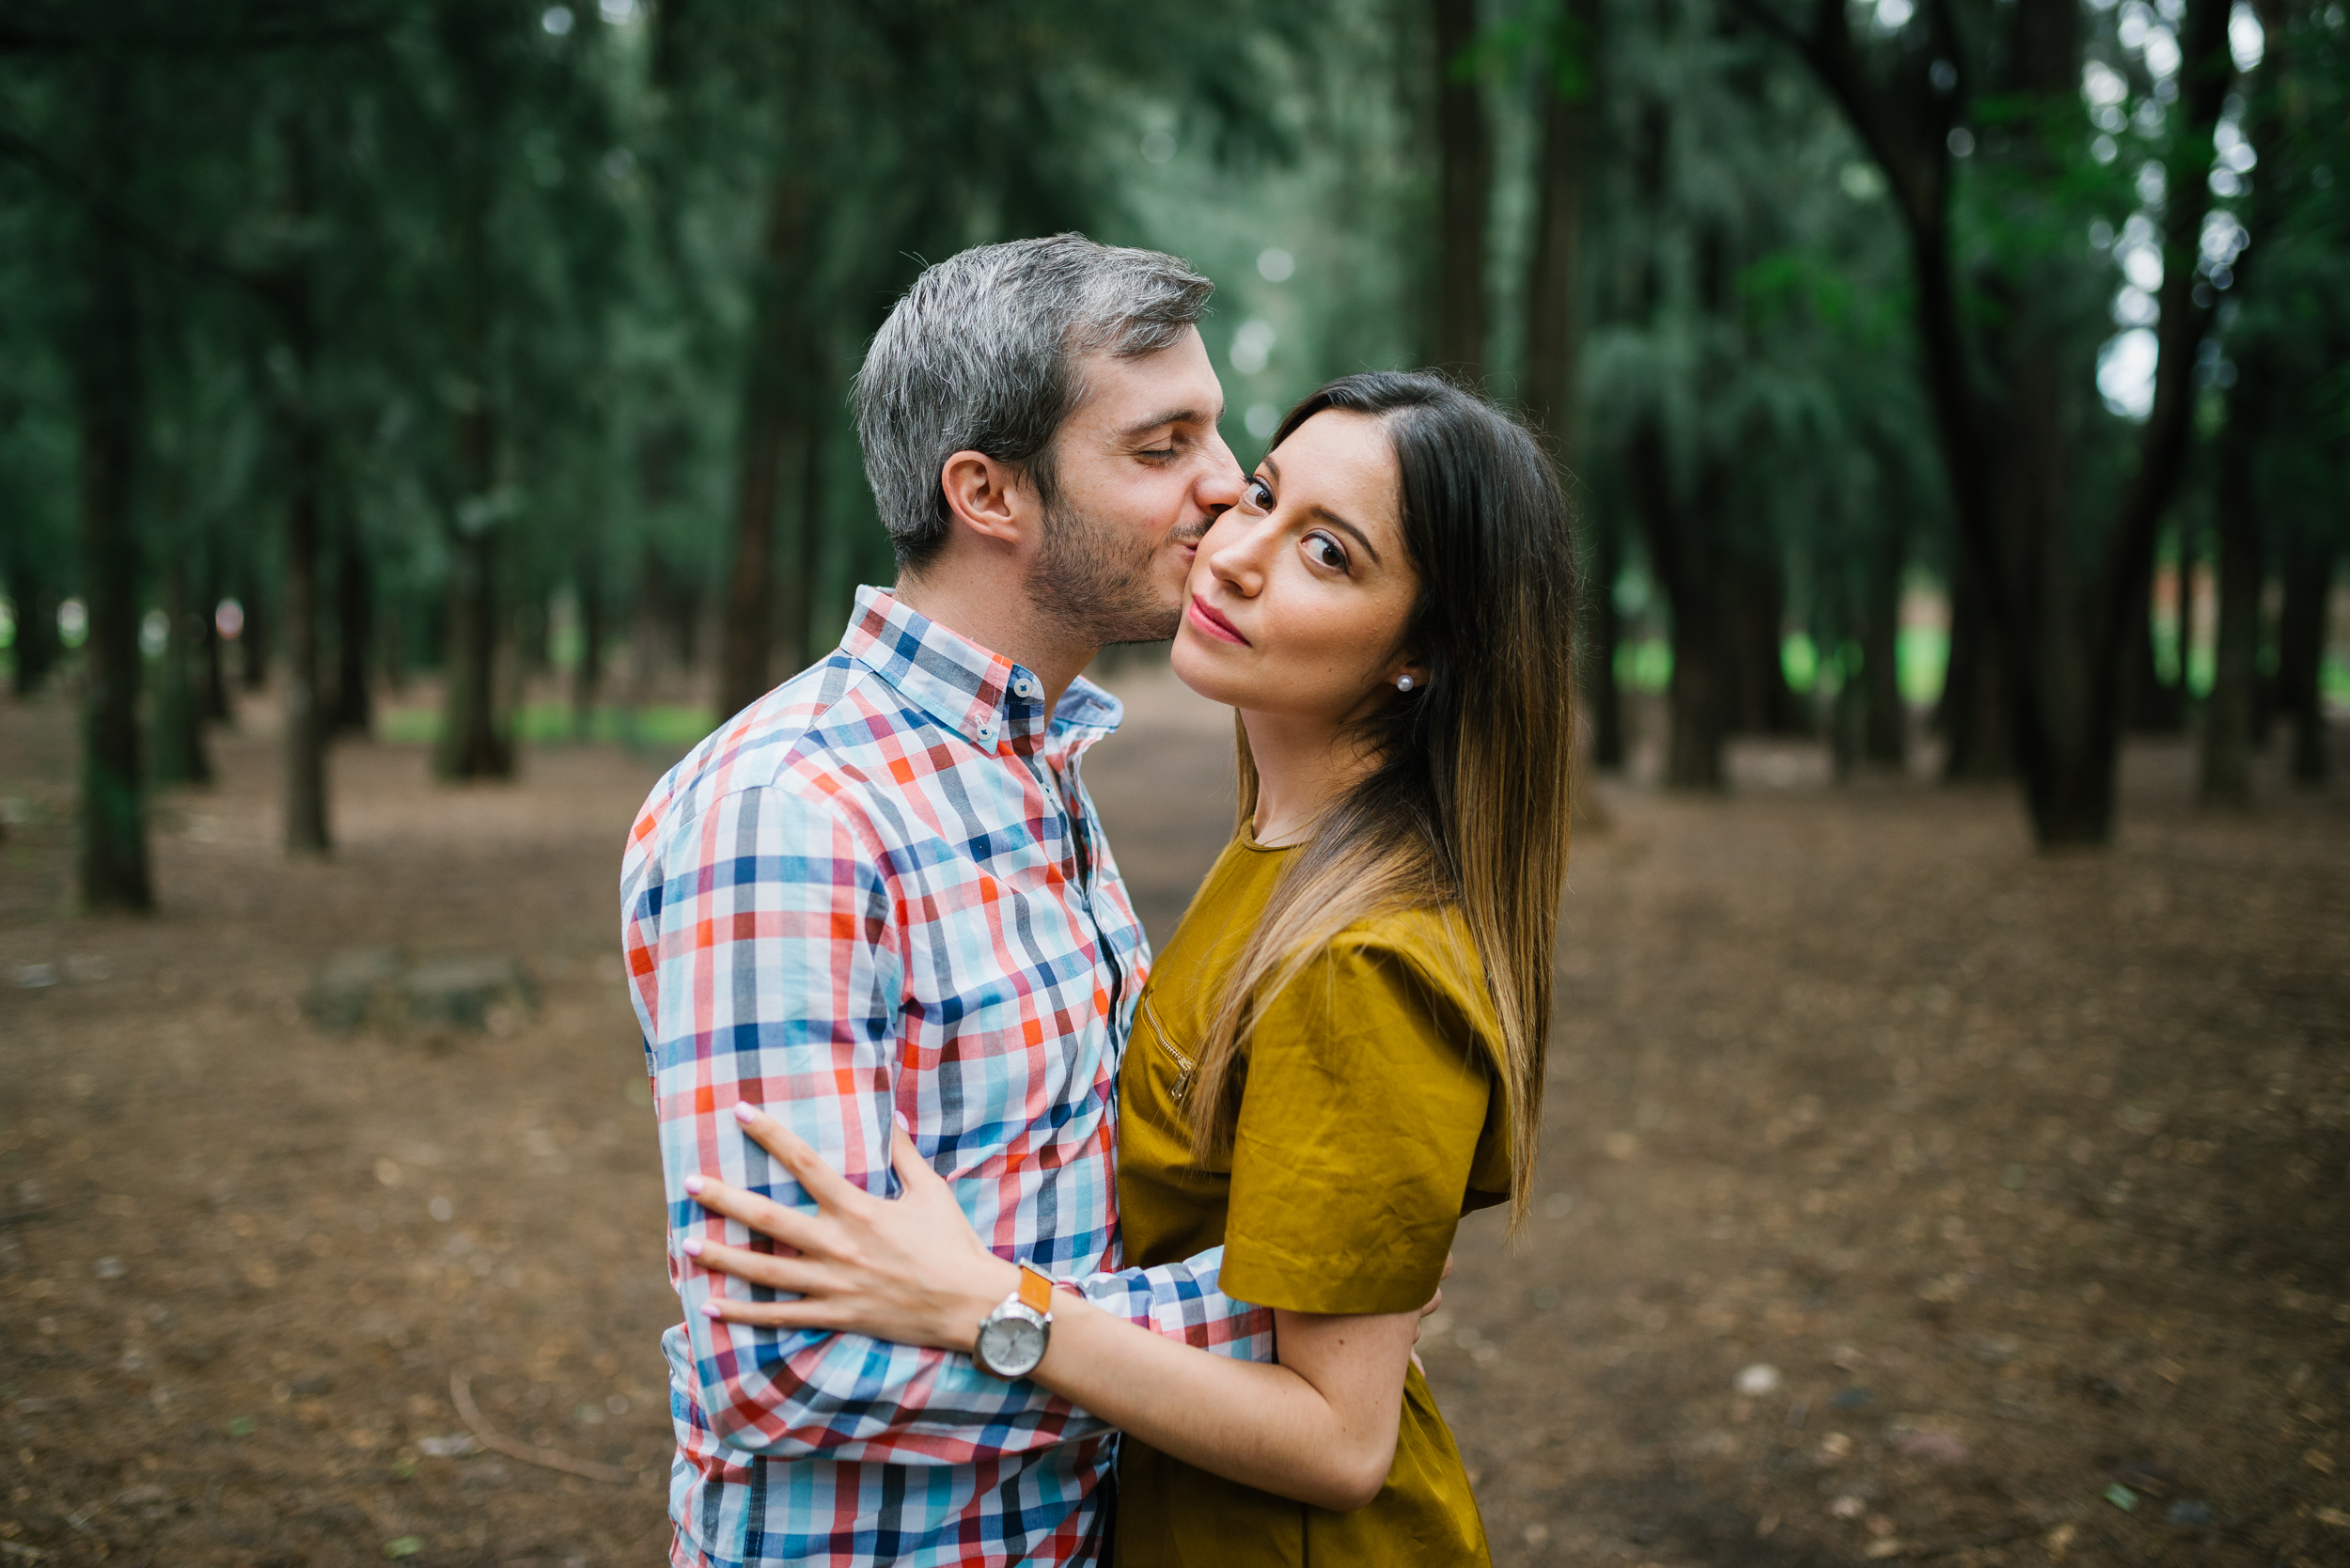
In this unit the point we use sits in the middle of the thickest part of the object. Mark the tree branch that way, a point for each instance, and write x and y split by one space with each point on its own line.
124 225
1917 167
2208 70
62 32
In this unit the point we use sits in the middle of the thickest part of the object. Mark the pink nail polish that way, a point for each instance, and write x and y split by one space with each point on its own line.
903 1125
745 1112
709 1308
693 1185
691 1246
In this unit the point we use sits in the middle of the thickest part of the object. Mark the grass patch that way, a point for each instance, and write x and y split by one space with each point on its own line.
668 727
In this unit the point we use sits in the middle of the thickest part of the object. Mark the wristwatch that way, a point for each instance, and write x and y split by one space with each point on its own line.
1012 1337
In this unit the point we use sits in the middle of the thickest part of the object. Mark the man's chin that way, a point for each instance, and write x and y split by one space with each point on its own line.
1156 625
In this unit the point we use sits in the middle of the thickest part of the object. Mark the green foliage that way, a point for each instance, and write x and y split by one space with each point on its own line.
537 248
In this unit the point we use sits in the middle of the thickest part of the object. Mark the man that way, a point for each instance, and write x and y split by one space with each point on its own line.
881 891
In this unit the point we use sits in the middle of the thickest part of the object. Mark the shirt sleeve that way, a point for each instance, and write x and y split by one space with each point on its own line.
766 966
1359 1122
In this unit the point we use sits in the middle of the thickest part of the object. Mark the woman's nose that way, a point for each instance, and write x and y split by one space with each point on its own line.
1235 552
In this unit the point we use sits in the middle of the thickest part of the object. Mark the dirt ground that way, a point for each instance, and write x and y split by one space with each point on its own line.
1906 1193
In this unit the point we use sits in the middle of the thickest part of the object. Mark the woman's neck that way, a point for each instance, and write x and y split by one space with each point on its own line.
1302 768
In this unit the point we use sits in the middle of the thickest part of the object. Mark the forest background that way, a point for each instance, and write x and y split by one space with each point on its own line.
422 420
1946 358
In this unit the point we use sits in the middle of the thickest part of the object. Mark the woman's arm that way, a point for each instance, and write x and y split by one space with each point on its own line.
1320 1427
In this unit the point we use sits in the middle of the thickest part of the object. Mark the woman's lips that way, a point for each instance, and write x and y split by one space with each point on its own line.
1205 617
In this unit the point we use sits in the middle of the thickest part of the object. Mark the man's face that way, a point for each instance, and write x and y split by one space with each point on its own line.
1142 474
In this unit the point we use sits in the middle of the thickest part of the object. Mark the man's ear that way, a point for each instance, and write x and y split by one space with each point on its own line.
990 497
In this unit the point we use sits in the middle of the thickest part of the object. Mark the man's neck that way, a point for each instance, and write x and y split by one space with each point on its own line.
998 614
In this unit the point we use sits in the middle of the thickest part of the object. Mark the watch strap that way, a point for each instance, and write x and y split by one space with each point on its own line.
1036 1290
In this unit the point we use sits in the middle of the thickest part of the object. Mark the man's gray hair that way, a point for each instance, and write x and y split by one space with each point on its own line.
982 353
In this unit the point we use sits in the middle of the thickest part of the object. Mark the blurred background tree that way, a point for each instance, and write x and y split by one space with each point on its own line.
476 371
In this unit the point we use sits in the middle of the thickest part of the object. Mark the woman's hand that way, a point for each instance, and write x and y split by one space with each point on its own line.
1433 1303
909 1269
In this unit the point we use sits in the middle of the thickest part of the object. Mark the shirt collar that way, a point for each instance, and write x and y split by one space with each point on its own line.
980 694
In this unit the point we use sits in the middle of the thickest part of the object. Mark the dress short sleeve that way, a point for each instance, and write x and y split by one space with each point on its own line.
1360 1119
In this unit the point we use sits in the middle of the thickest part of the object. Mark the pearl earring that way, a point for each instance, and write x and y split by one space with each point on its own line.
1404 683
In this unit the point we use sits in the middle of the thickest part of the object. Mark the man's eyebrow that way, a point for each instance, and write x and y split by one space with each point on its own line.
1167 417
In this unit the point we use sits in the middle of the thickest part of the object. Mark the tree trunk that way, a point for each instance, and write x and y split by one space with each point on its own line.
1464 190
391 653
1699 701
253 643
216 709
2065 681
355 631
746 635
685 622
180 754
305 713
1606 699
587 676
1763 704
2190 625
306 716
1554 283
2228 714
647 637
1702 699
2301 654
472 745
35 650
109 396
2061 647
2149 707
1973 709
798 621
1552 358
1884 722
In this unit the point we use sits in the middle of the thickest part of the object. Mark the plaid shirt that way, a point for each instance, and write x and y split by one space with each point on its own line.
883 886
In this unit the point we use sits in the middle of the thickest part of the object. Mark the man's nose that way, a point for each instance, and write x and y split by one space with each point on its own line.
1221 485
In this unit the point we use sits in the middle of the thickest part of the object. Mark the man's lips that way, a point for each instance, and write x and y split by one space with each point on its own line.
1205 617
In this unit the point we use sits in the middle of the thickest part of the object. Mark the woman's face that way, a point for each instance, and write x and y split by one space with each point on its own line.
1299 594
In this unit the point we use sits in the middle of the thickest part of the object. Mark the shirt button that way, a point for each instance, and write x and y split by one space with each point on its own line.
987 731
1024 688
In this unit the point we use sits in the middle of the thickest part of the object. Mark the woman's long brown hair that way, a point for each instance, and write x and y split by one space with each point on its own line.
1468 804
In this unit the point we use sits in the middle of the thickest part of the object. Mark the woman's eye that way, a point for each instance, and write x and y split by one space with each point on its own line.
1257 495
1323 551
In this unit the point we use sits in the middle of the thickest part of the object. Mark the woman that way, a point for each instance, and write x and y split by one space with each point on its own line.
1340 1050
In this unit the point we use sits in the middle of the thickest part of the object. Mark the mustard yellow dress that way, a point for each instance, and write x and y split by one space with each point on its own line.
1372 1118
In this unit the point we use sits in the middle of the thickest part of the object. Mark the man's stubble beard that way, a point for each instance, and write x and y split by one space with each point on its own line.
1093 591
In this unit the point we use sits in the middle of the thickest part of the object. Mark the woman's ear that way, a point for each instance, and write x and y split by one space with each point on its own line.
990 497
1408 675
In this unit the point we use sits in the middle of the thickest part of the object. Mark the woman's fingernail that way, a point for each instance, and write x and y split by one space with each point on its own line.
709 1308
745 1112
903 1125
691 1246
693 1185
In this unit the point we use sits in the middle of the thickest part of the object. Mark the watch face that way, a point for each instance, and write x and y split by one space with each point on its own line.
1012 1346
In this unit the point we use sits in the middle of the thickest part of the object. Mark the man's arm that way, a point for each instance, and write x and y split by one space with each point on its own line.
763 949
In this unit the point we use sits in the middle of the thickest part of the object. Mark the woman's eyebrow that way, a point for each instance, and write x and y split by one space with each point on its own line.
1329 516
1360 538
